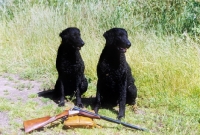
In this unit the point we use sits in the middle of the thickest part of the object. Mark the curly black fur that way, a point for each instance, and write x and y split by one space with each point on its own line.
115 82
70 67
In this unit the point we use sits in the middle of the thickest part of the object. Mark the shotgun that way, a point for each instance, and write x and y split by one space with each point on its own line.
33 124
108 119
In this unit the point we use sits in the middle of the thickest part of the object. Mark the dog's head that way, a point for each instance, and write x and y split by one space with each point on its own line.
72 37
118 39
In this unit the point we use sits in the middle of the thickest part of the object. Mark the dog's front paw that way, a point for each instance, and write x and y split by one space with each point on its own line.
61 104
80 105
120 117
96 109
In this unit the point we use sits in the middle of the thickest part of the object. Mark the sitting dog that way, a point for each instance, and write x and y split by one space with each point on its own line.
70 66
115 82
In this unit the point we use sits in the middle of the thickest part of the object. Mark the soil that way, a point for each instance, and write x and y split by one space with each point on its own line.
14 89
18 87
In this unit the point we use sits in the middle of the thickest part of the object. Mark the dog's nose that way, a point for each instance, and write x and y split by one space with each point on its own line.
82 43
128 44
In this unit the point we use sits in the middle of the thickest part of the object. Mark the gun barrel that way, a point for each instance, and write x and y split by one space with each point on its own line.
122 123
110 119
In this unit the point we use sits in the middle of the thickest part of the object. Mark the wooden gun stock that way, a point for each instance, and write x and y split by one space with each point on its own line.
33 124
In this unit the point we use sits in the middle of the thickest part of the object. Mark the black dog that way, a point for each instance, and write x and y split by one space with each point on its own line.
115 82
70 67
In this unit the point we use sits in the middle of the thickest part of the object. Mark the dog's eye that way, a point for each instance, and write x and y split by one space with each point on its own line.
77 35
121 34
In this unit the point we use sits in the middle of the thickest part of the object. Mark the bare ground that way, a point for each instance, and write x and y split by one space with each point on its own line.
14 89
19 88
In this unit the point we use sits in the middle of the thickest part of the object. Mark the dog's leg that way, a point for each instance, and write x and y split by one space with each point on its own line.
56 92
98 98
122 104
131 94
122 98
84 86
78 98
97 103
78 92
131 89
62 96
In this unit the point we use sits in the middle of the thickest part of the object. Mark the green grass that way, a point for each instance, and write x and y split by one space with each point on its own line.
164 57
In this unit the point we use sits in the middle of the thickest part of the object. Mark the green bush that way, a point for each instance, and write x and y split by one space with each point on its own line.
164 17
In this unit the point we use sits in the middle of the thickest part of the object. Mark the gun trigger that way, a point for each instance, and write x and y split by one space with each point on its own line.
63 119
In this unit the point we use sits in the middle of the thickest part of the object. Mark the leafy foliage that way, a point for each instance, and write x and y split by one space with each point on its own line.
164 17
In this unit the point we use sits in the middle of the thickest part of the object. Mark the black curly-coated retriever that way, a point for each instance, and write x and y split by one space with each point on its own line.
70 66
115 82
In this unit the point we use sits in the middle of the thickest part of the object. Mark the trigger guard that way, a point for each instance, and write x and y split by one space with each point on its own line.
64 118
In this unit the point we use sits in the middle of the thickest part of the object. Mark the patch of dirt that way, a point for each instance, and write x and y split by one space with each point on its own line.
16 89
3 120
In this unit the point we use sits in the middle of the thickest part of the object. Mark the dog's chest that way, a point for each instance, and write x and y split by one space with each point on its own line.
115 74
72 58
73 62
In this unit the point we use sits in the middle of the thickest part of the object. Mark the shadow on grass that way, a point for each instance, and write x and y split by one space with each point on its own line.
50 95
87 102
47 94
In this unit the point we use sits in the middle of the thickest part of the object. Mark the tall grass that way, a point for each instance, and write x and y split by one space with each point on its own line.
164 57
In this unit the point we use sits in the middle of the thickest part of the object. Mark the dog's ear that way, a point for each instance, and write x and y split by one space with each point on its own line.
108 35
64 34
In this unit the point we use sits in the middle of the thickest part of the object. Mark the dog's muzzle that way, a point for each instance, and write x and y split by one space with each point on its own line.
122 50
